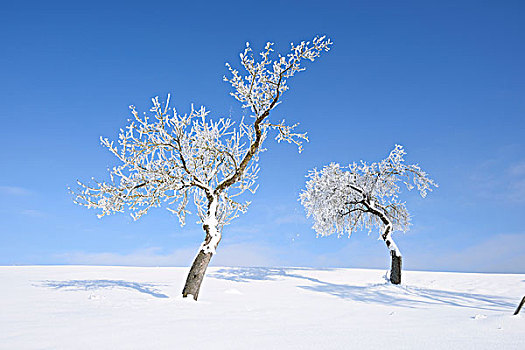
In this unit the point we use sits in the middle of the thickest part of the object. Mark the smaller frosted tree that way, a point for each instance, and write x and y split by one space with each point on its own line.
365 196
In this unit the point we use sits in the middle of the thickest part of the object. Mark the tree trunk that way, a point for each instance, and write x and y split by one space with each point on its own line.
206 251
395 270
519 306
196 275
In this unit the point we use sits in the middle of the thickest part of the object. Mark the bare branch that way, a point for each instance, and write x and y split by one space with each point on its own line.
166 157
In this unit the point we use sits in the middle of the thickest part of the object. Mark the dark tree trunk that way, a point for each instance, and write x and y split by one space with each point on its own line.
395 271
520 306
206 251
397 260
196 275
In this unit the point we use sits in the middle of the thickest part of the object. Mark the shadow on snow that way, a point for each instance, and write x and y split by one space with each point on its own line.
381 293
146 288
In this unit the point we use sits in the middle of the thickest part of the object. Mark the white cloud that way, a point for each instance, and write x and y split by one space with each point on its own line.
143 257
500 253
290 219
14 191
517 169
354 253
506 183
244 229
517 189
34 213
241 254
247 254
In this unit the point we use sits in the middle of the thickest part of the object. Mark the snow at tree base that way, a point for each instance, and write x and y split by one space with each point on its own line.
87 307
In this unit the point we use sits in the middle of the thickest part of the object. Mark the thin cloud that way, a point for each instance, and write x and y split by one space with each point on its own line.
290 219
34 213
15 191
517 169
144 257
242 254
247 254
507 184
502 253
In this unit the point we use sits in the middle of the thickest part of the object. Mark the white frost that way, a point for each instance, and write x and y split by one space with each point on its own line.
363 196
168 158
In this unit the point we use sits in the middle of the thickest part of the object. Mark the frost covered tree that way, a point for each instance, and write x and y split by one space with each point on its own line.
170 158
365 196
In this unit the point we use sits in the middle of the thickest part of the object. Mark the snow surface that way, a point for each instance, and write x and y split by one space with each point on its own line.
92 307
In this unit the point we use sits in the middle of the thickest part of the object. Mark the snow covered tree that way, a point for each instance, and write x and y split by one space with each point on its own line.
364 196
167 157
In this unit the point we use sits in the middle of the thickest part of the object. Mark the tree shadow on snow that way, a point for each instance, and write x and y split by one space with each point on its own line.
146 288
380 293
246 274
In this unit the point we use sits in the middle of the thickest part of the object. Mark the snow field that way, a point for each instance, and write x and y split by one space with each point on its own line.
95 307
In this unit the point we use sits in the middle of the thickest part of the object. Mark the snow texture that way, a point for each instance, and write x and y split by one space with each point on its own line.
86 307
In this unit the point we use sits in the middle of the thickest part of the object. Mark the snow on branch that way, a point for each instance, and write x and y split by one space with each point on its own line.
266 81
362 196
168 157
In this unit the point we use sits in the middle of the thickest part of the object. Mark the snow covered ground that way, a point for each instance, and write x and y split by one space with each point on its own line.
91 307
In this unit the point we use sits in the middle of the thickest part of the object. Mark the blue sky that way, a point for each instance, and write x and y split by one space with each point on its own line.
445 79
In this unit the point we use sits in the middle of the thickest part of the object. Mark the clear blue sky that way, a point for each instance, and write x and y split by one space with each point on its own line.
446 79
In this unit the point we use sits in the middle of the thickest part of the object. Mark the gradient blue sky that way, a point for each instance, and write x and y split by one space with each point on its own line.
446 79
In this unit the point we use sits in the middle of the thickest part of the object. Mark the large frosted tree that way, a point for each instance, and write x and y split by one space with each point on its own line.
168 158
365 196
